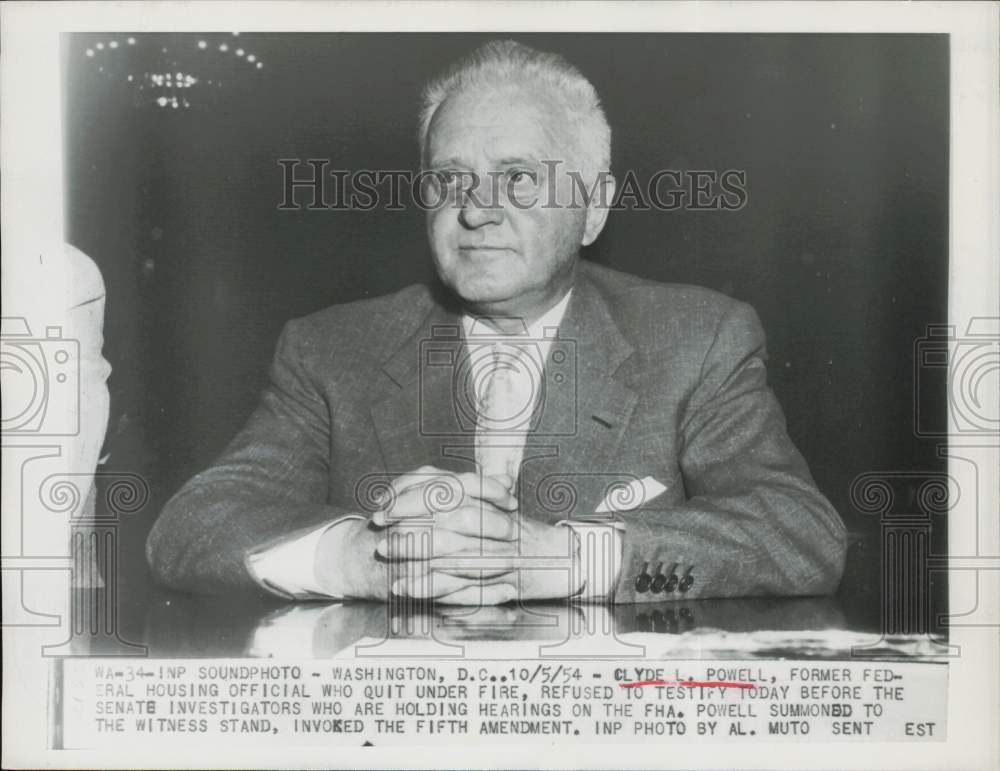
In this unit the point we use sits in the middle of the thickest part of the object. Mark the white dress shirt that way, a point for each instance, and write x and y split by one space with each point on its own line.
289 567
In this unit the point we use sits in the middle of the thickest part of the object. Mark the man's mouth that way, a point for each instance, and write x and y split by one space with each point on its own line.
485 250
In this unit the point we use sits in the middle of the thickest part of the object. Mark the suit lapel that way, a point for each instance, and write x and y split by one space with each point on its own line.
425 418
569 457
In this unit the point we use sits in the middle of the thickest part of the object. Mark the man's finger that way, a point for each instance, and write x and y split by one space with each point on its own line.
417 477
423 544
419 494
472 572
498 490
424 501
419 543
478 519
403 544
430 490
441 585
417 571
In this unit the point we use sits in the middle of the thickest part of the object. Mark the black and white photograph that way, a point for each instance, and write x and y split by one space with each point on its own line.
380 386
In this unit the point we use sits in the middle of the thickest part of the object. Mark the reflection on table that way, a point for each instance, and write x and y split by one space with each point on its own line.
168 625
535 630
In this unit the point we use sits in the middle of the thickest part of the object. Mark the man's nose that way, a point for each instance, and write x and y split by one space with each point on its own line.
477 211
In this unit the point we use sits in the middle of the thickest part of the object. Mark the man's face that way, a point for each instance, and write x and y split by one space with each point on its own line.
497 245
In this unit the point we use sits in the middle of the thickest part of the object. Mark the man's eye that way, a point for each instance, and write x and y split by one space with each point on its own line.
522 176
448 178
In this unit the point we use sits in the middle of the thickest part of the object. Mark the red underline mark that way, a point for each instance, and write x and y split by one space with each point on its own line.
688 683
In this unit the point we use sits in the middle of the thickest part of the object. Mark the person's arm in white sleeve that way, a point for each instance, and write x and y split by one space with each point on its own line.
288 567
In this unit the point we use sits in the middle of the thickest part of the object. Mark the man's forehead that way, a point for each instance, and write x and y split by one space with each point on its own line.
502 124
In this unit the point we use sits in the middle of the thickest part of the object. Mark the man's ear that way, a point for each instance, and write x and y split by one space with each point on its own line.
598 206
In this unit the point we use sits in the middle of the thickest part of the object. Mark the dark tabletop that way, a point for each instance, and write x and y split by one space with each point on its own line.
163 624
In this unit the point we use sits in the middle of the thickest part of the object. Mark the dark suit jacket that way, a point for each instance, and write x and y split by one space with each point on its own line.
645 379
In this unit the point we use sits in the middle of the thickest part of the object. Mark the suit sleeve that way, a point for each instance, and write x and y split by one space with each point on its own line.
269 485
754 522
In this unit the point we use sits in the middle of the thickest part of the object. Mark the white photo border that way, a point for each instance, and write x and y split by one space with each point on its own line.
32 147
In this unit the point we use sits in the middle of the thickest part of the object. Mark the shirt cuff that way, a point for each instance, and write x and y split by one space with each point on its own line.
288 567
599 559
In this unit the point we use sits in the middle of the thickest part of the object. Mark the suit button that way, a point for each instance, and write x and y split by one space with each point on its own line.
672 582
660 580
686 582
643 580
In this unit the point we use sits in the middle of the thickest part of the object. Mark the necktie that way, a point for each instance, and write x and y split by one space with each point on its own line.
506 401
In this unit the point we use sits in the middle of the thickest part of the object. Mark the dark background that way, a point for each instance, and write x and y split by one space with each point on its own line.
842 247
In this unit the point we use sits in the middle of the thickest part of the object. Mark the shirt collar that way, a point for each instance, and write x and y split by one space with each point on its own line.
551 319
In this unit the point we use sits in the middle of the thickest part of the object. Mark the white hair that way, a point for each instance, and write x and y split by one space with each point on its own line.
509 63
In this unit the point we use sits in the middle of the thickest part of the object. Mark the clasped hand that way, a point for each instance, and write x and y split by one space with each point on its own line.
457 538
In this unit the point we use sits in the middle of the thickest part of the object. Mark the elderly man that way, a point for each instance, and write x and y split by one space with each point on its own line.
534 427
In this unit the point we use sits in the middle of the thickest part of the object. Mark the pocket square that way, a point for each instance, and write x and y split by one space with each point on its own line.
636 493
